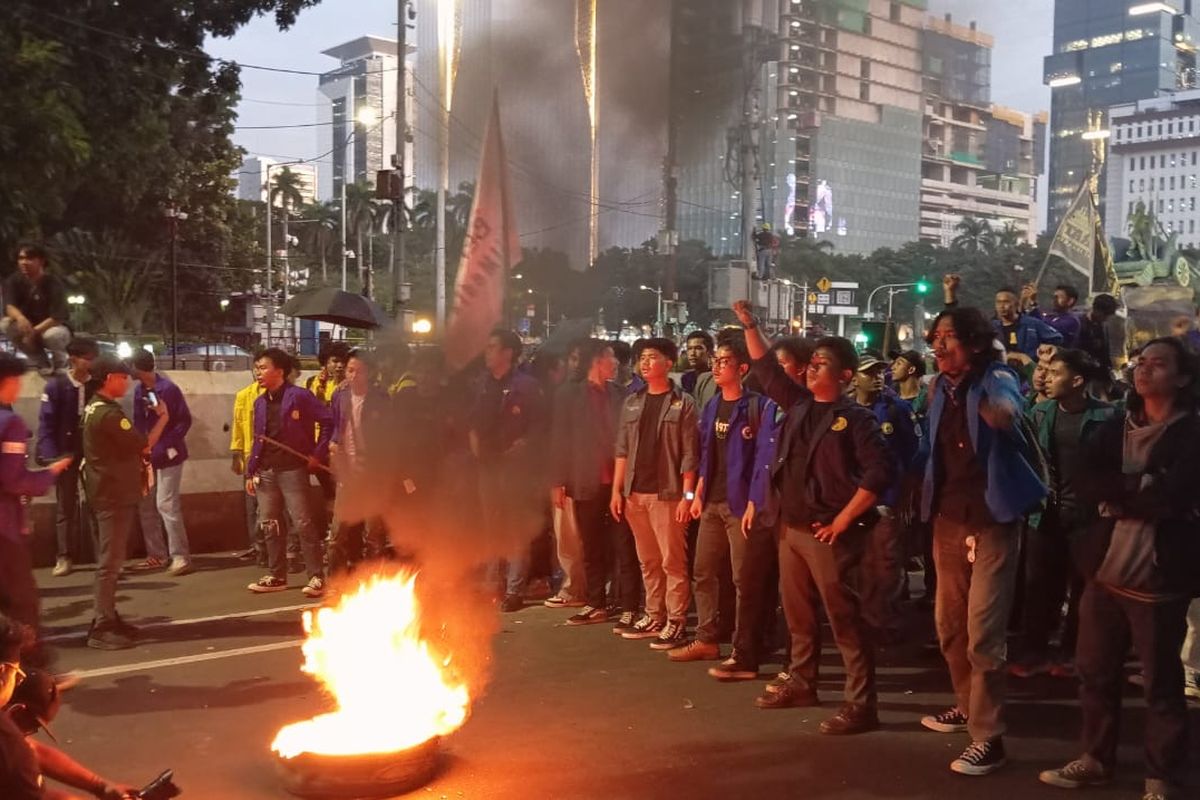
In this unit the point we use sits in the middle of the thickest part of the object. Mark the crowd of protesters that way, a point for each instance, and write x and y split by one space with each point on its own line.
1045 504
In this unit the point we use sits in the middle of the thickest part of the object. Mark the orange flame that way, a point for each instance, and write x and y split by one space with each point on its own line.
391 692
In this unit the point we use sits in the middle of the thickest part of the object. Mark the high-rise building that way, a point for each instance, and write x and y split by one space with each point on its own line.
978 159
1153 160
253 174
356 131
851 95
1107 53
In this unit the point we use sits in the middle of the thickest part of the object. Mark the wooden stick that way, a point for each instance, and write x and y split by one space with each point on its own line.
297 453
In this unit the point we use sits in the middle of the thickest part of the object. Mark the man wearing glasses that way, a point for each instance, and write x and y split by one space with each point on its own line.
59 434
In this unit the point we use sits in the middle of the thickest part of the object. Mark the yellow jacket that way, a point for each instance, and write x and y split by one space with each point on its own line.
241 434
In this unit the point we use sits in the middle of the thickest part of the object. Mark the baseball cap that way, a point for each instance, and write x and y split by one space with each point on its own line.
106 365
35 702
867 360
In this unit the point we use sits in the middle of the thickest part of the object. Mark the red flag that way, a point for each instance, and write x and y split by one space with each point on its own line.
492 248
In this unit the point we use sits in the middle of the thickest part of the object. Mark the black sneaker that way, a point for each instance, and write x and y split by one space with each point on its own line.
1080 773
315 587
588 615
734 669
645 628
125 629
949 721
107 637
513 602
268 583
673 634
624 623
981 758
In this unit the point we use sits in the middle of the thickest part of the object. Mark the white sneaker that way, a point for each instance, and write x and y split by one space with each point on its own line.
179 566
62 568
315 587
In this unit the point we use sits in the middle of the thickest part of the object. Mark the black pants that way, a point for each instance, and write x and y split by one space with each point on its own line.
754 633
812 572
1050 577
1108 624
19 595
599 555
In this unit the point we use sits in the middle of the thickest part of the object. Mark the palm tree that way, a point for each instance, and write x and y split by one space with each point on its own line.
318 235
1007 238
360 219
975 235
287 188
458 205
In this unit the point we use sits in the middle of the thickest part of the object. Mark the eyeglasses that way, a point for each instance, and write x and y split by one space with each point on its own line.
724 361
16 668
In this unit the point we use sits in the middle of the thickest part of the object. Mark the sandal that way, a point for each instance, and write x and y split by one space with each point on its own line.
149 564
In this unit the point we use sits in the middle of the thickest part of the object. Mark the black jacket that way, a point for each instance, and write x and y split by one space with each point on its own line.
847 452
1169 500
579 448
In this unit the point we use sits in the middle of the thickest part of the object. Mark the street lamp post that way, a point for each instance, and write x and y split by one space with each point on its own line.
658 307
175 215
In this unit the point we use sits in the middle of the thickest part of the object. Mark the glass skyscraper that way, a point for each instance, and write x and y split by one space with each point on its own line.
1109 52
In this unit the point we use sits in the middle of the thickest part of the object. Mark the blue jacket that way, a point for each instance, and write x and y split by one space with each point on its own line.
306 425
171 448
16 480
742 449
901 434
59 429
1031 332
1013 486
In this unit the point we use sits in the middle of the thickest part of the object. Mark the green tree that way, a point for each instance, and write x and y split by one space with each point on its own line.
319 233
975 235
119 279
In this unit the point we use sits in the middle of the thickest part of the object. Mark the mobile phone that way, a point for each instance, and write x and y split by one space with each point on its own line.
151 398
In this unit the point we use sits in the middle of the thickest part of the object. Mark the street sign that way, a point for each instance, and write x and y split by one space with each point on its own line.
836 298
823 285
812 298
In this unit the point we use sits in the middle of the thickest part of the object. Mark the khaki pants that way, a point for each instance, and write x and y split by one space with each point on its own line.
662 551
569 549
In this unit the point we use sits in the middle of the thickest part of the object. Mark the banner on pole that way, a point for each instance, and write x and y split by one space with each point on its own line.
492 248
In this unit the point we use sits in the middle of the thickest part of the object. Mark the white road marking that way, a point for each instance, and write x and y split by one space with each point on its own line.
258 612
121 669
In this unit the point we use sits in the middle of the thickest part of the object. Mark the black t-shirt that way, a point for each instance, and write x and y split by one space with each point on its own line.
794 479
960 482
718 490
272 456
20 776
645 463
37 301
1068 431
1008 336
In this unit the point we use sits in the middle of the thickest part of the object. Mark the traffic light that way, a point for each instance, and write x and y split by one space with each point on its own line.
922 286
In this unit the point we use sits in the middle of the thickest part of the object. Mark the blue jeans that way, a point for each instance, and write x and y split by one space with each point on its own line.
167 502
288 492
499 495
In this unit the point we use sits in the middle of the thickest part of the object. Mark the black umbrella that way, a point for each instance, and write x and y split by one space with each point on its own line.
328 304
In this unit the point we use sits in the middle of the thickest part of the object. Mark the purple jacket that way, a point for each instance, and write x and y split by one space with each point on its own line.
16 480
172 447
306 425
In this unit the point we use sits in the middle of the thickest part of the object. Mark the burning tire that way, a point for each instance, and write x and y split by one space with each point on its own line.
313 775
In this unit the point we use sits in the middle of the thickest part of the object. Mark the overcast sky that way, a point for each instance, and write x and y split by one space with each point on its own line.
1022 29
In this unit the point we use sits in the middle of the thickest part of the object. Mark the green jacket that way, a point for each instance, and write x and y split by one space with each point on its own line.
1042 417
112 455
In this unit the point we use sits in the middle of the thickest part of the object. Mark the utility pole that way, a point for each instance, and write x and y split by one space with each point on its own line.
399 212
748 146
669 237
270 308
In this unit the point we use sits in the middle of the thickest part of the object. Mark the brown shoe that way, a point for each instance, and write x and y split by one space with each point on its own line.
851 720
696 650
787 696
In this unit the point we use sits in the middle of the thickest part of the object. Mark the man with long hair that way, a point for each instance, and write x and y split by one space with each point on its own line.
1140 563
978 485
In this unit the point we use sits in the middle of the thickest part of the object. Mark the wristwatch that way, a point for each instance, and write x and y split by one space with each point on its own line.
689 495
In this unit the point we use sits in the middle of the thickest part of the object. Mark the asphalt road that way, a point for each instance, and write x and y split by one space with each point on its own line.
571 712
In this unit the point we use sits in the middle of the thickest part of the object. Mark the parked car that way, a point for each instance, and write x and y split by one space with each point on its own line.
216 357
